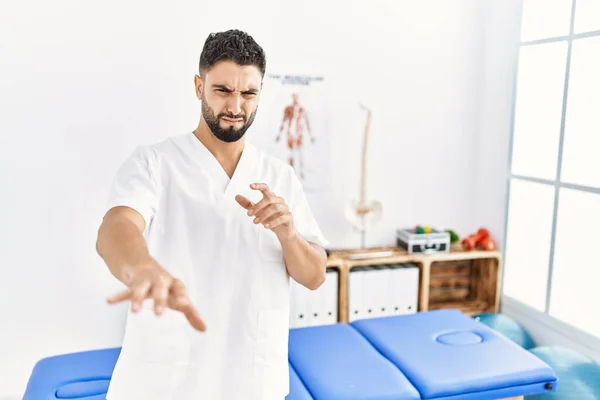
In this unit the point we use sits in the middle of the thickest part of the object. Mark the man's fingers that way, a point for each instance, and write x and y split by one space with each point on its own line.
273 217
139 293
263 187
119 297
136 294
178 300
265 202
279 220
179 303
160 293
193 317
268 212
243 201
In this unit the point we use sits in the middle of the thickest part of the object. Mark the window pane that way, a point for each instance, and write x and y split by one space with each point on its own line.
545 18
538 109
576 268
581 164
531 207
587 16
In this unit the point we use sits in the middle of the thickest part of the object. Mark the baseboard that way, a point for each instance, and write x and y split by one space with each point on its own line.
546 330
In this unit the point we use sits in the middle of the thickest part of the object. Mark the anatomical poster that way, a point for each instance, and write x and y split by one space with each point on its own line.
293 124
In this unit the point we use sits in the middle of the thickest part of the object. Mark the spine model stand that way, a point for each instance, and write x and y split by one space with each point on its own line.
361 214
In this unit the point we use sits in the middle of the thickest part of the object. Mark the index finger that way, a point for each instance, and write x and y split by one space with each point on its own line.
193 317
243 201
182 303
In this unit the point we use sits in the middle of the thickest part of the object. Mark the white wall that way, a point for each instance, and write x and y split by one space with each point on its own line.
502 38
83 83
417 65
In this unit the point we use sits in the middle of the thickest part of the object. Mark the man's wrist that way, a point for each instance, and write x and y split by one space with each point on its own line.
129 270
288 237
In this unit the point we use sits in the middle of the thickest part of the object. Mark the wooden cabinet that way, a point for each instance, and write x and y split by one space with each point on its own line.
465 280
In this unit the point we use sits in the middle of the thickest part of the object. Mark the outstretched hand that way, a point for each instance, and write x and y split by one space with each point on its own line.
156 283
272 211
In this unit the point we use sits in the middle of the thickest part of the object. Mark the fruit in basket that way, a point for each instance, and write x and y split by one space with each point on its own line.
453 236
480 239
422 229
488 243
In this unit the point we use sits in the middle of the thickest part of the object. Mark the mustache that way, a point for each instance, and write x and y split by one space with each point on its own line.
231 116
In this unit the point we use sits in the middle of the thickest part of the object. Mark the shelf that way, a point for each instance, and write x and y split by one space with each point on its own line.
449 294
451 269
456 281
399 255
468 280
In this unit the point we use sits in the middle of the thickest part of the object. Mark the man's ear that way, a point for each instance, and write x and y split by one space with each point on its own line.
199 86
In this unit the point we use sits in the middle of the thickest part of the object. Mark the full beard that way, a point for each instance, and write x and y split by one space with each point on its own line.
230 134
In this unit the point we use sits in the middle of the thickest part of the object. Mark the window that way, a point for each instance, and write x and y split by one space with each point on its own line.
576 271
553 220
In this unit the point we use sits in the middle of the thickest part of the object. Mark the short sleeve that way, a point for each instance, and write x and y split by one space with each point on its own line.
135 184
304 221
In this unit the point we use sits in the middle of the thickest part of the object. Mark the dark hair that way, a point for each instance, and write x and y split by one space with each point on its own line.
232 45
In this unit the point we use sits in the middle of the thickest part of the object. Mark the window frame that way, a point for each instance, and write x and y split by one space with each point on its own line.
544 317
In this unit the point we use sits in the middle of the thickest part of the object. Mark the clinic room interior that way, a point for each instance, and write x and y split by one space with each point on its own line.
447 151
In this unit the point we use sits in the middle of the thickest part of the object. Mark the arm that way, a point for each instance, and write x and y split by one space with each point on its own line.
305 261
121 244
133 201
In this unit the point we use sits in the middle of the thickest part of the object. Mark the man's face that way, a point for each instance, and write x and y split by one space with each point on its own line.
229 95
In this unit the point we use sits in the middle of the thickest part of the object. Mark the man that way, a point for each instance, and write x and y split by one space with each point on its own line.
205 231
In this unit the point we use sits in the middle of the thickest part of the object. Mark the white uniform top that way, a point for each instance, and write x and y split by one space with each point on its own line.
233 269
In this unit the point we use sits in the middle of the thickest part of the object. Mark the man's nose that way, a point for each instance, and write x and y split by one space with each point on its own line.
234 105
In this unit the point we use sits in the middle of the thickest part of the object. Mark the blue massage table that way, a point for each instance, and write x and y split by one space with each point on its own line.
435 355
